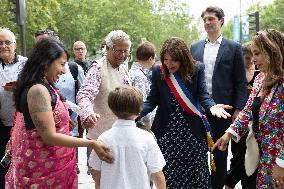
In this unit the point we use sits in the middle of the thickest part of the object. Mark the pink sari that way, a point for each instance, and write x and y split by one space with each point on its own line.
39 166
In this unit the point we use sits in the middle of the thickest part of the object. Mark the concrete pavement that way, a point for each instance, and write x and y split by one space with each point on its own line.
85 180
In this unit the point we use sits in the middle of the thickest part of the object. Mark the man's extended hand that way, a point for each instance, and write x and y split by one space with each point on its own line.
91 120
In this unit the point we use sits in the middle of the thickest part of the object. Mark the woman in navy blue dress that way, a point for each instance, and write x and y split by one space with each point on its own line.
180 135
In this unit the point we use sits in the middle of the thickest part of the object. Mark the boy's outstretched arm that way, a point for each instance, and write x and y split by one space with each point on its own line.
159 180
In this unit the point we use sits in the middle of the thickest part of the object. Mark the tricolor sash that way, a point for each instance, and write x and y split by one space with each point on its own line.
189 104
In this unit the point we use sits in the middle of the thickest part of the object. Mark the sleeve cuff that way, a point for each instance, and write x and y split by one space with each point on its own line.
280 162
235 136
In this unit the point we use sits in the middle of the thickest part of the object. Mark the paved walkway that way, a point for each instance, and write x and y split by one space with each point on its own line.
85 180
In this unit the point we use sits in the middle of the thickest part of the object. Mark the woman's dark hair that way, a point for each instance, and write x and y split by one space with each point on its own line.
43 54
179 51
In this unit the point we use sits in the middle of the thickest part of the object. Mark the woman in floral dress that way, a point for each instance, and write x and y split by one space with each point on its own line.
265 107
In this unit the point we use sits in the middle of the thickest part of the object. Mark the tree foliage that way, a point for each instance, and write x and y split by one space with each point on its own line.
271 16
91 20
227 30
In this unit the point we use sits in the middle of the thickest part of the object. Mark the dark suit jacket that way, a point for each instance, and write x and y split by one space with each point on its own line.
160 95
228 80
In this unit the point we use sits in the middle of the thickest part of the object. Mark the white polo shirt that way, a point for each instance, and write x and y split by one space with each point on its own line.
136 155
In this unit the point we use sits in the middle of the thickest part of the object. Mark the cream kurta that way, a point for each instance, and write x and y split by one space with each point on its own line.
101 78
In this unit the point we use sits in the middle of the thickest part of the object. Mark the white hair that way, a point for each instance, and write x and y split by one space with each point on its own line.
9 32
117 35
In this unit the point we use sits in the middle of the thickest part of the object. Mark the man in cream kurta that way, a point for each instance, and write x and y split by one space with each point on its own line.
102 77
92 98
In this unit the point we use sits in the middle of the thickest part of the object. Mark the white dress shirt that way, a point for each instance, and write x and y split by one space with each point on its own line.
209 59
136 155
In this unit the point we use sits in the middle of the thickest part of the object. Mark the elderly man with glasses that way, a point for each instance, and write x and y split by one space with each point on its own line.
11 65
103 76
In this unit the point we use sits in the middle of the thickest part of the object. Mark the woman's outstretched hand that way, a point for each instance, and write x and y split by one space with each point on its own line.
219 110
222 142
103 152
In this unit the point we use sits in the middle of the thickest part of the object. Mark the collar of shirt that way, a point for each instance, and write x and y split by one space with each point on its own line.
218 41
13 62
136 65
146 71
123 122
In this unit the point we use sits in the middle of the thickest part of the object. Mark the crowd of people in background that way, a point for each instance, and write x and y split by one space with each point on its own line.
153 124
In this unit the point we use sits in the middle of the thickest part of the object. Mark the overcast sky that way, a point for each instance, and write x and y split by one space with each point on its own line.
230 7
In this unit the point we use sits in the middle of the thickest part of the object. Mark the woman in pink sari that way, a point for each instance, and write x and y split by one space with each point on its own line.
43 152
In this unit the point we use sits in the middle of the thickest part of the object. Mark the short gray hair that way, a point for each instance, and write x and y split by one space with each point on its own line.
9 32
117 35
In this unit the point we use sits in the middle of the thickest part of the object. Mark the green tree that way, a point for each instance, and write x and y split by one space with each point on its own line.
39 14
270 16
91 20
227 30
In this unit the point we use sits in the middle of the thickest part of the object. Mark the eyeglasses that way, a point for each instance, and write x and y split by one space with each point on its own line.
7 42
79 49
121 51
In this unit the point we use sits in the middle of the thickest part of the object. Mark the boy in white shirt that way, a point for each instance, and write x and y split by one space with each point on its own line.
137 155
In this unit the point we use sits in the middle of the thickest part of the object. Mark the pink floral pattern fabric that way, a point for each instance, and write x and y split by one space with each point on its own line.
36 165
270 135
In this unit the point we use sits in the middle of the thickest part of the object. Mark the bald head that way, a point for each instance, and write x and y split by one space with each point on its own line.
7 45
80 50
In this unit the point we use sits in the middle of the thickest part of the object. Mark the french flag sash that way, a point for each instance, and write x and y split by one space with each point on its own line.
185 99
189 104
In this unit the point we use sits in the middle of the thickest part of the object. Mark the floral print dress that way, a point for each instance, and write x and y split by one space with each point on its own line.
270 131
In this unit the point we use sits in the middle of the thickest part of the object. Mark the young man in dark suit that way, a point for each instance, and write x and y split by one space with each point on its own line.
225 78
